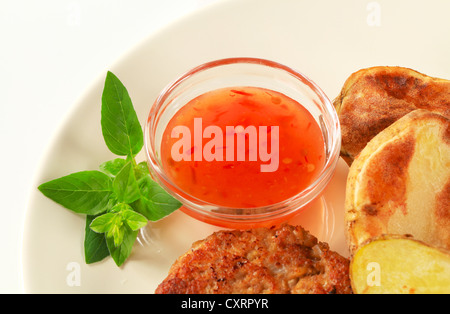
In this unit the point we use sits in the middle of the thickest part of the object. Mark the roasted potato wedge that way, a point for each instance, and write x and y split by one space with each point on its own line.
400 183
373 98
393 264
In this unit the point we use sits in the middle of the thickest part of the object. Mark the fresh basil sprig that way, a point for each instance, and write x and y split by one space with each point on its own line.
119 199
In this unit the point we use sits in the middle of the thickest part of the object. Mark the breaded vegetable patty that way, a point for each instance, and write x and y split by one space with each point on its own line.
265 260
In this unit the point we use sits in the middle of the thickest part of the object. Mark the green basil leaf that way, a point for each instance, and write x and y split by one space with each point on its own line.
155 203
123 251
103 223
117 231
112 223
112 167
121 129
95 248
85 192
141 170
134 220
125 185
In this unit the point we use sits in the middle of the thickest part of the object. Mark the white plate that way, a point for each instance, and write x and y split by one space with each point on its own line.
325 40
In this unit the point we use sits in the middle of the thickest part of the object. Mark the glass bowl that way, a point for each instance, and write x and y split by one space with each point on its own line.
251 72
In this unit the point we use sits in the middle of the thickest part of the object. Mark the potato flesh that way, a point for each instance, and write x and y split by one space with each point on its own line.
400 266
399 183
428 175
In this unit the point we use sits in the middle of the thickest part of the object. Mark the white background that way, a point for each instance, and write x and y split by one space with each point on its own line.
50 52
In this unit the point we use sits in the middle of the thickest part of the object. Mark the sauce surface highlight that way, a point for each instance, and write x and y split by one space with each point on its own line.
225 169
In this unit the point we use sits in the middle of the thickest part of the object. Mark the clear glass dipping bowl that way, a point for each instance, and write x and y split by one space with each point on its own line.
234 72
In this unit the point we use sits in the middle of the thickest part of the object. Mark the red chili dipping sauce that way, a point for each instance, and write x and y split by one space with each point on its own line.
242 147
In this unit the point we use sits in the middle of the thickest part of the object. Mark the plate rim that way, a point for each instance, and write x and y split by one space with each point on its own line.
72 108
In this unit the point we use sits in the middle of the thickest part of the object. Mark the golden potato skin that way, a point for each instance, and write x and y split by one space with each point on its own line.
394 264
273 260
373 98
400 183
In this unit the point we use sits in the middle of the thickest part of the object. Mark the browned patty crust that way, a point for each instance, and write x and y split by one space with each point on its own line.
265 260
